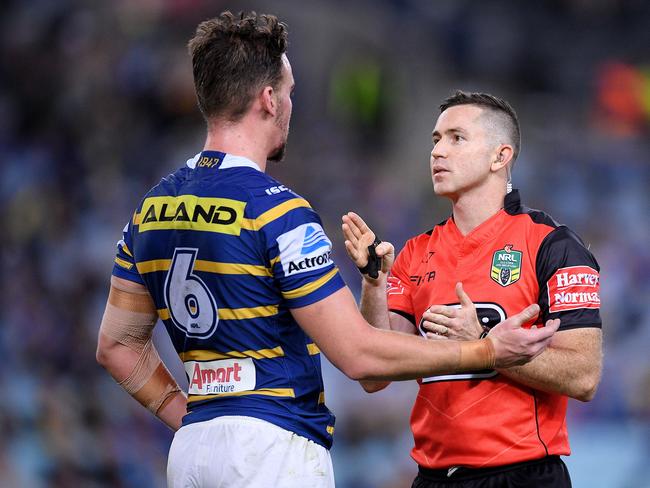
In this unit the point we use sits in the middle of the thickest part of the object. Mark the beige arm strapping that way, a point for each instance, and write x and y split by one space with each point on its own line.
129 319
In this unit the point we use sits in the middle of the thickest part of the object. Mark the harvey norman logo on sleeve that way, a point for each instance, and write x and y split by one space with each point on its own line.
574 287
305 248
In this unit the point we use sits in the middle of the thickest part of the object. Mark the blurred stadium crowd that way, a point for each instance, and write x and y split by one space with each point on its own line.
97 103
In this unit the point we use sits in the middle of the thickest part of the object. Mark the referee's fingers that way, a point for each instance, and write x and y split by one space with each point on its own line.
445 310
359 222
348 234
354 228
435 318
359 259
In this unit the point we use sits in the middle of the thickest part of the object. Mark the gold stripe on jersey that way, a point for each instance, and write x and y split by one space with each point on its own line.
309 287
190 212
312 349
274 213
207 355
275 261
235 313
274 392
123 263
330 429
126 249
321 398
247 313
207 266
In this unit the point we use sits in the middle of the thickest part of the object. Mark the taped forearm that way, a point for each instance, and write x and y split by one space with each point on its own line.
150 383
476 355
129 319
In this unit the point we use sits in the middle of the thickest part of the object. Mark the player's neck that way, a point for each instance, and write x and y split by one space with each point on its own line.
238 140
473 208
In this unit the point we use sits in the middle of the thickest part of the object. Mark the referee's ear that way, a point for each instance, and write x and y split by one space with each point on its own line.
502 157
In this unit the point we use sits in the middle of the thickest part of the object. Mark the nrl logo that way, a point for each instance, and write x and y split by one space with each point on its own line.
506 266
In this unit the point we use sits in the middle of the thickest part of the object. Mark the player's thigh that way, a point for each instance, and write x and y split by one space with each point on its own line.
234 452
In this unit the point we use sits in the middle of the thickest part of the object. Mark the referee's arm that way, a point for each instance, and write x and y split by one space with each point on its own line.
571 365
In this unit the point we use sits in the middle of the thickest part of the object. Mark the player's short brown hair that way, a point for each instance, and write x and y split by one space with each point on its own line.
507 117
232 58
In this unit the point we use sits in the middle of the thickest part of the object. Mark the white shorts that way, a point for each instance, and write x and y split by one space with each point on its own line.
245 452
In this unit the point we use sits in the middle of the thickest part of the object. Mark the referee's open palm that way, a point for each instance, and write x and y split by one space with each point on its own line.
358 236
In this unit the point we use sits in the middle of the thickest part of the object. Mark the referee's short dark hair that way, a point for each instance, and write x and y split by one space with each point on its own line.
234 56
506 115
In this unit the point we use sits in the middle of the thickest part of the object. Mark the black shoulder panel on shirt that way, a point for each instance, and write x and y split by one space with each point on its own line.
430 231
562 248
513 206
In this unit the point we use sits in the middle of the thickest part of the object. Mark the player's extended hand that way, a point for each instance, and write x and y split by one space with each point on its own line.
514 345
445 322
358 236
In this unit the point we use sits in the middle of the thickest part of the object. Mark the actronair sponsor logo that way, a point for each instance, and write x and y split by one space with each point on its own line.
315 238
305 248
307 264
223 376
573 288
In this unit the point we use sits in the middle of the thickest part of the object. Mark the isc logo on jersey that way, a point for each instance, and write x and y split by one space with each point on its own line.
305 248
572 288
224 376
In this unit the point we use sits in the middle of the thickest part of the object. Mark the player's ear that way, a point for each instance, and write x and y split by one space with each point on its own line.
267 100
502 156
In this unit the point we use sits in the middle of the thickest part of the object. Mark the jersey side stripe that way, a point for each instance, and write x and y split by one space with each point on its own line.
234 313
274 213
312 349
207 266
123 263
274 392
309 287
207 355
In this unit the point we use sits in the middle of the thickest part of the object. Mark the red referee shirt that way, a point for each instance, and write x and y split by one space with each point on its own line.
517 257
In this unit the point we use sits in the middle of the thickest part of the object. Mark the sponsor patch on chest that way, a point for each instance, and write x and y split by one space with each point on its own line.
506 266
574 287
222 376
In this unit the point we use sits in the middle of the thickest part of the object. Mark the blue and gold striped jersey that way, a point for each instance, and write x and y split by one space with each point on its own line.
226 251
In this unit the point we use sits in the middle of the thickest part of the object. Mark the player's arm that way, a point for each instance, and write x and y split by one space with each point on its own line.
363 352
125 349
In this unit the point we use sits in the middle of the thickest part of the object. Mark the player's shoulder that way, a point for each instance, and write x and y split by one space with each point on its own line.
266 194
169 184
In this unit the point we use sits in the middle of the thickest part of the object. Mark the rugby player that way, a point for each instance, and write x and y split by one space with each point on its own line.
238 268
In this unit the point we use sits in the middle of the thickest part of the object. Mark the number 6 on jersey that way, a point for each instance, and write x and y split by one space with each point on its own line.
192 308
